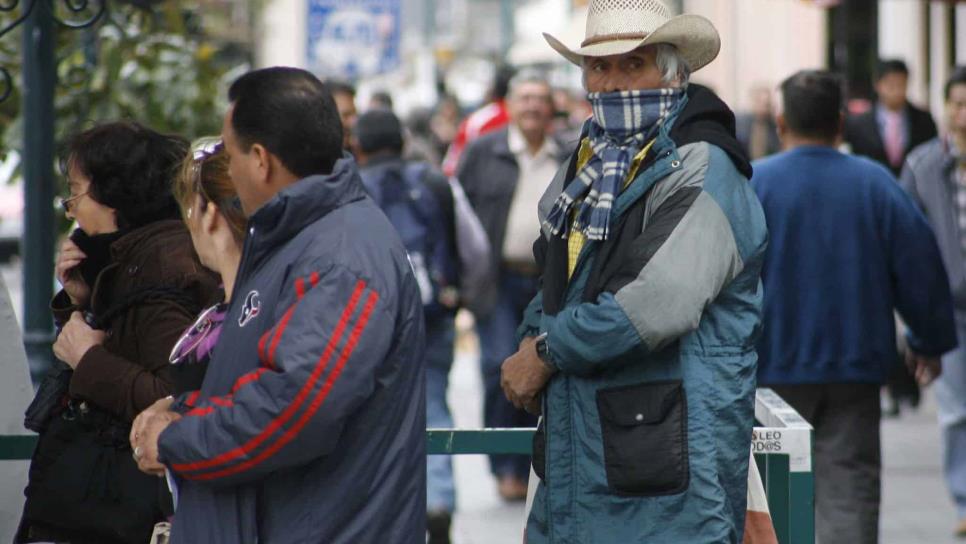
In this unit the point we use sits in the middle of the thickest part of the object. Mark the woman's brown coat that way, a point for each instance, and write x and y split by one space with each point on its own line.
130 370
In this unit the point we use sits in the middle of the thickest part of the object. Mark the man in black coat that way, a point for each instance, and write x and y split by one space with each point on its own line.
893 127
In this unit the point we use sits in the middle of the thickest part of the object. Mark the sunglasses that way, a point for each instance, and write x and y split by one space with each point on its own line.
200 155
189 342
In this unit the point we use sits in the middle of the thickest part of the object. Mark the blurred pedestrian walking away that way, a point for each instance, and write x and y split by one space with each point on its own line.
639 348
492 116
429 212
935 176
756 129
847 248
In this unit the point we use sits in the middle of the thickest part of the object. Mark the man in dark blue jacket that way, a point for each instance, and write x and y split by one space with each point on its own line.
310 424
847 247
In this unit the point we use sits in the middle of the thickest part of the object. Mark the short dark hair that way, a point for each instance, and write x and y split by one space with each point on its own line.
383 98
813 103
958 77
338 86
501 81
131 169
379 131
890 66
292 114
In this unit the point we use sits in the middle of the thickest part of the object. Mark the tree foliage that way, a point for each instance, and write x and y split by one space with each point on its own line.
157 66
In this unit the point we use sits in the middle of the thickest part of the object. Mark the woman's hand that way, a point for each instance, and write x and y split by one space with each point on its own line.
75 339
69 276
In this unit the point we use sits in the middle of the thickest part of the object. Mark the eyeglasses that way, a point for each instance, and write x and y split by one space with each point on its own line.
208 321
68 203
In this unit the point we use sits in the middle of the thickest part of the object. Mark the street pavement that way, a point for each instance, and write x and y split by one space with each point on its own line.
916 508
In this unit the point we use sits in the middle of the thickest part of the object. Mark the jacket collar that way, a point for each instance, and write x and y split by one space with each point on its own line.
949 156
501 145
383 160
516 143
304 202
150 237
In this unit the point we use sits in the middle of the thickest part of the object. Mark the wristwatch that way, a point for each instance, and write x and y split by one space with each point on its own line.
543 351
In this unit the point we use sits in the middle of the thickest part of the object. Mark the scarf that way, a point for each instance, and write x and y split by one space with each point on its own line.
98 251
623 122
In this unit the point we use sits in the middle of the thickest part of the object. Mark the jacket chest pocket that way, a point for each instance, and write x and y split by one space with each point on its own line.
645 437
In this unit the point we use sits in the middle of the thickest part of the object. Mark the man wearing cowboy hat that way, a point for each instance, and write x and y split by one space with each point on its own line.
640 348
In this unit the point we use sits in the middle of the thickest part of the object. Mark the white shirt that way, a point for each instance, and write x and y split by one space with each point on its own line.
536 173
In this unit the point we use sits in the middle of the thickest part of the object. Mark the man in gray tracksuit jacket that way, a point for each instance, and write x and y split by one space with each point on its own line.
310 424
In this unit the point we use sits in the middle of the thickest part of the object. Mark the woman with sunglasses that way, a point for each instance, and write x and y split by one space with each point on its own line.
213 214
131 284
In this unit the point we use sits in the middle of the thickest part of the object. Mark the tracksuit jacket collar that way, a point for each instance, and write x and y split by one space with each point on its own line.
303 203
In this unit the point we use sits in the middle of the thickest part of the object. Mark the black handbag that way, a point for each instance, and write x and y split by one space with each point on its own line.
50 399
83 483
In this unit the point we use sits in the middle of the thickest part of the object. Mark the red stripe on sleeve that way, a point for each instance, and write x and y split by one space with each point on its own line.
192 398
280 328
299 289
293 407
278 334
262 356
246 379
203 411
224 402
291 433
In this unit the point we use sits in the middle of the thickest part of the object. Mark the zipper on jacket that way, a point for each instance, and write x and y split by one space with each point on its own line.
247 249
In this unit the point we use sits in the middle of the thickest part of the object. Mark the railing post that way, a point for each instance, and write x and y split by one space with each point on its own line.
37 245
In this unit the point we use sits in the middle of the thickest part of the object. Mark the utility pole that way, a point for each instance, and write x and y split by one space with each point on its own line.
37 244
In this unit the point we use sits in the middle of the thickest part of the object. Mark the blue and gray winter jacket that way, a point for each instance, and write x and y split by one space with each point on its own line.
647 424
310 424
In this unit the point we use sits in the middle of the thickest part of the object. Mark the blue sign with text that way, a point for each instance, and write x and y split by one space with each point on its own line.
349 39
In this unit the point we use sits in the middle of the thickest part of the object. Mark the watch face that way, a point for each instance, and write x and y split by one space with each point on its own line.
542 348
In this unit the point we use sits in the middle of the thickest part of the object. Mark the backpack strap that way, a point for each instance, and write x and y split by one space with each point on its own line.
419 172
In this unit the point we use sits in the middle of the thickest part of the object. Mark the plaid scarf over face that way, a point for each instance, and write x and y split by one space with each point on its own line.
623 122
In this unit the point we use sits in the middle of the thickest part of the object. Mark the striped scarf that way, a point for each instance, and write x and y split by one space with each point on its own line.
622 124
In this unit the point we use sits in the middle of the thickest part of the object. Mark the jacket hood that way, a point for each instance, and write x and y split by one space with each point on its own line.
306 201
706 118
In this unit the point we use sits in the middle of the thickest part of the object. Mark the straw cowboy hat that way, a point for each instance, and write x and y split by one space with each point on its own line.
615 27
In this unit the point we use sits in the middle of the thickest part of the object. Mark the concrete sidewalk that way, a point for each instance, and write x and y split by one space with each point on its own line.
916 507
481 517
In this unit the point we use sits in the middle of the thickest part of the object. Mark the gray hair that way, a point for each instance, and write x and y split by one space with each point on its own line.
674 69
527 76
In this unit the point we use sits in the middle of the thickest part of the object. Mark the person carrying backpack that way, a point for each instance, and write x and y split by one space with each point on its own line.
445 240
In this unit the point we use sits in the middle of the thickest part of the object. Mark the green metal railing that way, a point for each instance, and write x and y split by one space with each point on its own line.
782 445
783 452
